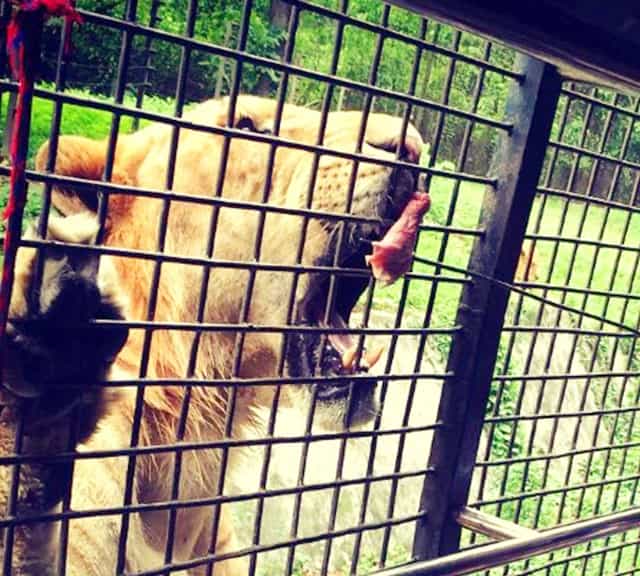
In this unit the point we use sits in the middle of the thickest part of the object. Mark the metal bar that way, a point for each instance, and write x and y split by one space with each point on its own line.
588 199
498 554
602 103
242 134
472 358
276 65
580 150
559 490
210 558
518 311
492 526
419 43
202 445
582 49
95 186
147 58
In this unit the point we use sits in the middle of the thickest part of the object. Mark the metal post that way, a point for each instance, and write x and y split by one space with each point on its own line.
531 107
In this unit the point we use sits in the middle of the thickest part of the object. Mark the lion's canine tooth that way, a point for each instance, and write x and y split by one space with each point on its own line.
372 357
349 357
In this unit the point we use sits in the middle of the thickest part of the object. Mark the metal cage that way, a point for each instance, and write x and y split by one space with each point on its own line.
510 384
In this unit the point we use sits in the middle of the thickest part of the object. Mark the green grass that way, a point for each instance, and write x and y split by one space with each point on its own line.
80 120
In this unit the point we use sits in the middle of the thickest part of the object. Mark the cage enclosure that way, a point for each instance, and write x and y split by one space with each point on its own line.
243 340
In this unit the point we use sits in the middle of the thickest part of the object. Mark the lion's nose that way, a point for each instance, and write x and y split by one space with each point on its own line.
408 149
411 148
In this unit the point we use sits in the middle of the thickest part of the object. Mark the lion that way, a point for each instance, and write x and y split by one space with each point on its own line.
231 263
53 360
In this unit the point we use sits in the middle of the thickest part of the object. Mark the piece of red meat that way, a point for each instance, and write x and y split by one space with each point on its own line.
392 255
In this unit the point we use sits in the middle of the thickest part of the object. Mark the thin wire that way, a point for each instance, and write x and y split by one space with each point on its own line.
508 286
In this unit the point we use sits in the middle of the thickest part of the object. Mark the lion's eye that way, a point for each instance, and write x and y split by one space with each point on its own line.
246 123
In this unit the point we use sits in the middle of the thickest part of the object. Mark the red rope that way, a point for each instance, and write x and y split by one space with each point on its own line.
23 48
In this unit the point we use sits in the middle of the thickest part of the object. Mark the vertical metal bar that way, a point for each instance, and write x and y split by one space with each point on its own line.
181 89
324 113
373 76
518 164
43 219
241 45
355 557
147 52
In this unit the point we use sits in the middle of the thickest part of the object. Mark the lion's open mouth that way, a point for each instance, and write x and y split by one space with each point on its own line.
336 351
332 350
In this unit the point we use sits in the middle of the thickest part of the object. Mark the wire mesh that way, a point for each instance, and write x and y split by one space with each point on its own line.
305 497
559 436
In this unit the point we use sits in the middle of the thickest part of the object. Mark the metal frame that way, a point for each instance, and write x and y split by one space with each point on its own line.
482 308
484 317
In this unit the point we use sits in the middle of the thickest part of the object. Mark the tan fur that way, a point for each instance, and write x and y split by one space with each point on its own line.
527 269
133 222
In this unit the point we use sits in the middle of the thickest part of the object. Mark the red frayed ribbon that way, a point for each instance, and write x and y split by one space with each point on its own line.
23 50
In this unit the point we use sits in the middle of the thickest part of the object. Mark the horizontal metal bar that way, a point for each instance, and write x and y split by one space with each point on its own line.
491 526
571 376
591 153
475 232
396 35
239 134
279 66
628 330
501 553
547 287
270 329
552 491
569 330
581 557
593 100
553 32
555 455
214 444
333 534
185 504
583 242
232 264
630 571
563 414
588 199
271 381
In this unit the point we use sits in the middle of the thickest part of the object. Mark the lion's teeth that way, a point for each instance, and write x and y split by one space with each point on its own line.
349 357
372 357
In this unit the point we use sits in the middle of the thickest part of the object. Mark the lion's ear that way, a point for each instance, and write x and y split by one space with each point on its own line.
80 157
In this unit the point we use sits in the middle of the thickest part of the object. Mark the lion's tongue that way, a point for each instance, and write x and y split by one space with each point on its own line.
392 255
347 346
